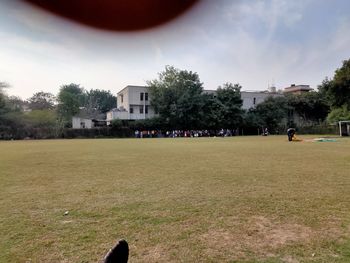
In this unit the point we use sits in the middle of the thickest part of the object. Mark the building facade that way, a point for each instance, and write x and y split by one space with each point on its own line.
88 119
81 123
133 104
253 98
87 123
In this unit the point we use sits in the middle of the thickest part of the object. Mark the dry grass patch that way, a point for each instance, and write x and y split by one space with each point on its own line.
242 199
259 235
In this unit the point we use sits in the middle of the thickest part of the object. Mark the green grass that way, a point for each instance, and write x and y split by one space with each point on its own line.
240 199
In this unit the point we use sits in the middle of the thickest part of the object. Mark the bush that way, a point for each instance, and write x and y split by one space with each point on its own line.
117 124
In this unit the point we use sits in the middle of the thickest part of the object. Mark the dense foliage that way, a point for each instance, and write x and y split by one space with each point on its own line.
337 92
45 116
177 96
73 97
42 101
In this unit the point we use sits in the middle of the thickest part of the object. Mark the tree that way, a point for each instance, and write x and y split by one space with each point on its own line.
340 90
4 105
3 85
16 103
339 114
311 106
2 102
337 90
12 119
42 101
323 90
42 118
100 100
177 96
229 98
212 118
272 112
70 98
3 97
116 124
252 120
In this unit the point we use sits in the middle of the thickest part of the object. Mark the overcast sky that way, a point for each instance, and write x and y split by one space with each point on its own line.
250 42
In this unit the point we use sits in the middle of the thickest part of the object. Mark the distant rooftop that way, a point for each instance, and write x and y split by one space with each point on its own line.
90 114
297 88
131 86
208 91
242 91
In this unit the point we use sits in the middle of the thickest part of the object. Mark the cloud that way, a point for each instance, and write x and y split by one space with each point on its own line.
158 54
273 12
341 39
250 42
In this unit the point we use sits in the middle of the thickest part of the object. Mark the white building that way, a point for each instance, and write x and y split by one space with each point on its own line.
253 98
133 104
82 123
86 119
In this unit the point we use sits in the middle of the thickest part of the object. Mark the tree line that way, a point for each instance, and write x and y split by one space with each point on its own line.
46 113
182 103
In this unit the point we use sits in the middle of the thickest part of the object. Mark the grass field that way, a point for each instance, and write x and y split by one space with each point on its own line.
240 199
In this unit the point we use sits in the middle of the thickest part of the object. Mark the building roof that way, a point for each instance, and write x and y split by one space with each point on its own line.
297 88
131 86
258 91
90 114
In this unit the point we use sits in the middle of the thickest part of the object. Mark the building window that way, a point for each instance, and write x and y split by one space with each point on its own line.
141 109
141 96
121 98
131 110
146 96
146 109
82 125
254 101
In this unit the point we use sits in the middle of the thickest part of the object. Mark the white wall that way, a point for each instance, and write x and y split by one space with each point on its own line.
134 95
248 98
131 98
80 123
123 104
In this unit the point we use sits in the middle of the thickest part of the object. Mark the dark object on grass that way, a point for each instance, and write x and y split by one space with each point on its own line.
290 133
118 254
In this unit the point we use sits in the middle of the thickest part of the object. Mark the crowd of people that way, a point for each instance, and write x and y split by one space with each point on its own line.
185 133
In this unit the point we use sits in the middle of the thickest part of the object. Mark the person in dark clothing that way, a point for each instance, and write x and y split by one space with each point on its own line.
290 133
118 254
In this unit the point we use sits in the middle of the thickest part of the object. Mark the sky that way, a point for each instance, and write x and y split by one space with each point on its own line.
254 43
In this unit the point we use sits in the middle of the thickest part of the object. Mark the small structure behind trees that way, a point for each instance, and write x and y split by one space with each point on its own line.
344 128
